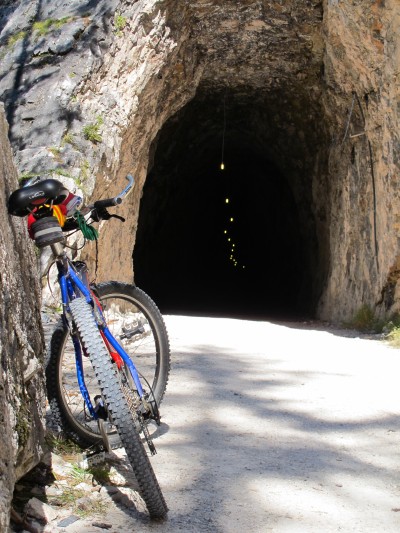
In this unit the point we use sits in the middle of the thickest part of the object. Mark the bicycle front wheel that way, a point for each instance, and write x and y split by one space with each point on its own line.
122 416
135 321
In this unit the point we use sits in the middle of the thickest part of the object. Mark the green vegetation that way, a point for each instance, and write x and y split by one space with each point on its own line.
91 132
61 446
85 167
80 475
53 308
76 497
366 321
101 474
25 177
68 138
59 171
392 330
13 39
119 23
62 172
67 498
42 27
56 152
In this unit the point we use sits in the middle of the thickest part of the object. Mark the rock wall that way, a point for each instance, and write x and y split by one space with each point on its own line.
89 85
362 60
21 343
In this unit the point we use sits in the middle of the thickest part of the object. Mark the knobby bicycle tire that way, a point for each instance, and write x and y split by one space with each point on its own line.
117 407
150 353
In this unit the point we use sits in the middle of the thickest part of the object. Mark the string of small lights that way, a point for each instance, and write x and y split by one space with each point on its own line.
233 249
229 235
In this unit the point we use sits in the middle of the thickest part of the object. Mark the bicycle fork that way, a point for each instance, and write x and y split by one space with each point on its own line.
68 278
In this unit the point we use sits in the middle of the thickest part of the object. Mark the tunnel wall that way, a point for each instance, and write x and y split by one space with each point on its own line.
360 70
319 54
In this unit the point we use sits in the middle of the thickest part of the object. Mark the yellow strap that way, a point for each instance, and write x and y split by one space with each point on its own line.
59 215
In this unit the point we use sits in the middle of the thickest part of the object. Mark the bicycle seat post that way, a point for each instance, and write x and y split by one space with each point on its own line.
57 248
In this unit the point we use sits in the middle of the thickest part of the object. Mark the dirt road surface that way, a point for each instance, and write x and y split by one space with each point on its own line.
286 428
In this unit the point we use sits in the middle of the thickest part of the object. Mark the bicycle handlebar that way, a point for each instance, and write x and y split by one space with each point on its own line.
111 202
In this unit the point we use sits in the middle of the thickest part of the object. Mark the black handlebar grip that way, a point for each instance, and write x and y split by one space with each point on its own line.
109 202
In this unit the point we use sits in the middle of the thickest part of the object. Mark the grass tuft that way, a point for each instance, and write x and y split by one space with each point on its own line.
42 27
366 321
91 132
61 446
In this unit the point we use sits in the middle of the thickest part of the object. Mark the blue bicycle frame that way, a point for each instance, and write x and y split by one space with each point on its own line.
69 281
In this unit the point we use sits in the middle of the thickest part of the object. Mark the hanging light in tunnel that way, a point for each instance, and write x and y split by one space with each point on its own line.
227 200
222 166
231 219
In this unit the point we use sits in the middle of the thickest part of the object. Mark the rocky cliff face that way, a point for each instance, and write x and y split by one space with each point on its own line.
21 343
361 68
91 88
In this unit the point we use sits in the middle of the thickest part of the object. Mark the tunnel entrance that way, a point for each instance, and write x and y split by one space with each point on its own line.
232 242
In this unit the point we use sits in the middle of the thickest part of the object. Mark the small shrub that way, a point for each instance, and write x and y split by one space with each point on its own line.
101 474
119 23
394 337
392 330
91 132
365 320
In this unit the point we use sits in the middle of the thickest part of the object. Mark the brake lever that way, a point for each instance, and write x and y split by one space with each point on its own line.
101 213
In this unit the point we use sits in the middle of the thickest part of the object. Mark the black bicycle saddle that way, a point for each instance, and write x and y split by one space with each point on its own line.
24 200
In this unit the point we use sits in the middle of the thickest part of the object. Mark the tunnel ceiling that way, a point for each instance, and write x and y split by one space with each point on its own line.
257 108
265 45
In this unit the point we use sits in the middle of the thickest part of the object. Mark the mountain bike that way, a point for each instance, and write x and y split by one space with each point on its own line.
109 358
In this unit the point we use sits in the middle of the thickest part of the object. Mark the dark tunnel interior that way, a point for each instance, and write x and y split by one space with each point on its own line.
222 242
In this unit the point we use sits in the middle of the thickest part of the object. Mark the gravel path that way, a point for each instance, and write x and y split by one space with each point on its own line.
274 428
